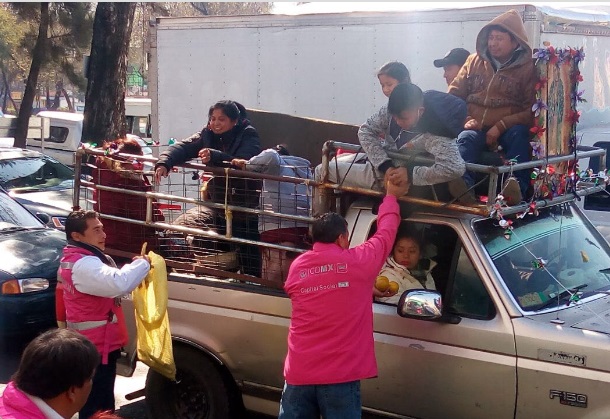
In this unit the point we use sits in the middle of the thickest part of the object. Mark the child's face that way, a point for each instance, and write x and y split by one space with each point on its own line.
408 118
387 84
406 252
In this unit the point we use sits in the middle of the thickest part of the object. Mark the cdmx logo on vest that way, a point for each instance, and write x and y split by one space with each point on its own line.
339 268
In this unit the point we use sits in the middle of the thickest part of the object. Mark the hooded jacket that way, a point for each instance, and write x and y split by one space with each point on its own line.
435 133
499 97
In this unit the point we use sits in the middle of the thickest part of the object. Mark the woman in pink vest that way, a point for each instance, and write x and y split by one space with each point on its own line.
92 286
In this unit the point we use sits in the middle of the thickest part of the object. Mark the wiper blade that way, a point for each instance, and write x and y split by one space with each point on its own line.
555 299
12 229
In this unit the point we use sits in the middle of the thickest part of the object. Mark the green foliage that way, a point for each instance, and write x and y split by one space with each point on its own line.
69 37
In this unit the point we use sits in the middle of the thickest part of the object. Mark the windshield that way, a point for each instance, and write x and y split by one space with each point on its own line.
23 174
13 215
549 257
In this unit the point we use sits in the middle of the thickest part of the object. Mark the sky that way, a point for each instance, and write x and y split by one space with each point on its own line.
291 8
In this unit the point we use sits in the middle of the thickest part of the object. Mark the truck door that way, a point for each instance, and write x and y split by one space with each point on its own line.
437 369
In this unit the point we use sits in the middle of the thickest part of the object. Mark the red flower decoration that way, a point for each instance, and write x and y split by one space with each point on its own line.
554 57
574 117
539 131
576 77
541 83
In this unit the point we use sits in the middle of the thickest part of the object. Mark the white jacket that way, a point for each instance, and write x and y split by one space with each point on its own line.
406 281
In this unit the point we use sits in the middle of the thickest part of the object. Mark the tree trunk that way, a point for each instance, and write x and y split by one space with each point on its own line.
8 93
38 57
70 104
104 116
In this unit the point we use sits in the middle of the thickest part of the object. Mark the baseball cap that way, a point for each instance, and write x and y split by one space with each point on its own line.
457 56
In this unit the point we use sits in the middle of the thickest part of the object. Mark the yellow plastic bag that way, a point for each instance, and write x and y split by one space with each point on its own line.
154 339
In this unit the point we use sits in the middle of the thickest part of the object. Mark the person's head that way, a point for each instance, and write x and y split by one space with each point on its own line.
330 228
282 150
86 227
407 249
223 116
406 105
391 74
451 63
125 145
58 367
501 43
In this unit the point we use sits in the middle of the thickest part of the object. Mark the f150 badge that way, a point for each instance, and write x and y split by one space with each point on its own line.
568 398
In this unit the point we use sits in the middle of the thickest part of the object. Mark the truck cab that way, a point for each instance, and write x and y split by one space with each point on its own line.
65 133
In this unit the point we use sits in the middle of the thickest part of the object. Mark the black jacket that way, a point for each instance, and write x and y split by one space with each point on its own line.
242 142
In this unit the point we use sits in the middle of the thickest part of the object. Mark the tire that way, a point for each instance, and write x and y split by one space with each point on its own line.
200 392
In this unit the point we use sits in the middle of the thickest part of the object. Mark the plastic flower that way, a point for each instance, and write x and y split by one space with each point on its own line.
541 54
538 131
576 77
537 149
578 55
541 83
577 96
538 106
564 56
553 56
574 117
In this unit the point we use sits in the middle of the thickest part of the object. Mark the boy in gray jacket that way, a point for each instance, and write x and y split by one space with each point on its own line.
429 122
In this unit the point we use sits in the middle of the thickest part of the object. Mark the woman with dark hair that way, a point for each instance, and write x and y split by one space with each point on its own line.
228 135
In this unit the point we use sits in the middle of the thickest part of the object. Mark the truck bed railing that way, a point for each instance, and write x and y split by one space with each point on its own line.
494 173
198 249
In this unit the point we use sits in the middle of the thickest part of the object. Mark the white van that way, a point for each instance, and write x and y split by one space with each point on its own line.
65 136
137 114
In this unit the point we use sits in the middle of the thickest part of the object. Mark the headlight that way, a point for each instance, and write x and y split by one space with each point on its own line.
21 286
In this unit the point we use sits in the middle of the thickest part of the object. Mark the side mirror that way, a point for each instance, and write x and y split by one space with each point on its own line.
421 304
44 217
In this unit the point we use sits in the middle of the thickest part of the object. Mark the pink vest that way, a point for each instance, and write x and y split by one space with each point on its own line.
14 404
98 318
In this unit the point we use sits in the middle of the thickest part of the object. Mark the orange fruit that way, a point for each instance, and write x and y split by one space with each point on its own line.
382 283
394 287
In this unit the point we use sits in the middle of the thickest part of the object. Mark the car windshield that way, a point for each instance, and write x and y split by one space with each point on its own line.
23 174
546 259
13 216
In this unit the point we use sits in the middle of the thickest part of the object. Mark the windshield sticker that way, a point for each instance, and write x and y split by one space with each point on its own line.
532 299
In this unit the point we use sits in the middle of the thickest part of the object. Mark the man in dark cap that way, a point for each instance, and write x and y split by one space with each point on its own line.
451 63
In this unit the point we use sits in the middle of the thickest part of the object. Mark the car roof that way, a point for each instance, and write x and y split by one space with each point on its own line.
16 152
68 116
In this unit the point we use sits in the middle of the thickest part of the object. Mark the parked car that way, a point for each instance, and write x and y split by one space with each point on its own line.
28 275
38 182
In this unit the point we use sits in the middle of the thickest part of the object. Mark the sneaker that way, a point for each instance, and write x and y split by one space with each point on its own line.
459 190
512 191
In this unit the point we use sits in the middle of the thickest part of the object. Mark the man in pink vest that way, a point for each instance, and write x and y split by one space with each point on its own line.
92 286
53 379
330 340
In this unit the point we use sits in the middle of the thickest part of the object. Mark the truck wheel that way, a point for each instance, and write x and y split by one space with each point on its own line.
198 393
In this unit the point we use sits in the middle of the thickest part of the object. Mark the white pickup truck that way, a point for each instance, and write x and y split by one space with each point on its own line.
519 326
